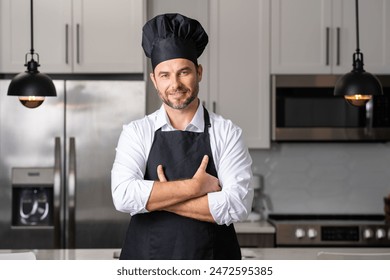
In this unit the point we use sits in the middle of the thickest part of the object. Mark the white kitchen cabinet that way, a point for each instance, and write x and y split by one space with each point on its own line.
73 36
374 33
239 66
319 36
299 36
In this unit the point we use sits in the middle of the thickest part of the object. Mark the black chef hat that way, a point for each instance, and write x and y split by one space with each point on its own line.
170 36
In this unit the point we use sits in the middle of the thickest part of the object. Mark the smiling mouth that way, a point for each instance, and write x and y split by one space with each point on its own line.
177 93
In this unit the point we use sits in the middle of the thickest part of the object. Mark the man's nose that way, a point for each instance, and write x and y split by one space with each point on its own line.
175 82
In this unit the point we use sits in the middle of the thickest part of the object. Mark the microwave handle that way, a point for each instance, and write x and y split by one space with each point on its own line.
273 107
369 117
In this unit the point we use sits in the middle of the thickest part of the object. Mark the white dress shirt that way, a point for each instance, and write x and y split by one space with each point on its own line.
232 161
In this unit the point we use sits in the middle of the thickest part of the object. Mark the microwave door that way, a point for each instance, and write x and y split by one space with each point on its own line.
304 108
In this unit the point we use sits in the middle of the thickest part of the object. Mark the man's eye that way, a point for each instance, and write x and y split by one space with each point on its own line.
183 73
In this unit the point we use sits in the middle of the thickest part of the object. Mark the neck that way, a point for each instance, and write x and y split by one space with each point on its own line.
180 118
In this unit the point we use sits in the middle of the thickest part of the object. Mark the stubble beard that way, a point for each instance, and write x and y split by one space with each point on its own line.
183 104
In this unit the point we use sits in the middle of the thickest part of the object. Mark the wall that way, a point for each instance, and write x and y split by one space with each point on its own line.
325 177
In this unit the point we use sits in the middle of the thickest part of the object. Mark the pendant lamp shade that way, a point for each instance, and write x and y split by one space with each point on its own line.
32 86
358 86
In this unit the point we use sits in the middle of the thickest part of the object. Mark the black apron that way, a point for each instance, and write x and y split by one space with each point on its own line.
165 235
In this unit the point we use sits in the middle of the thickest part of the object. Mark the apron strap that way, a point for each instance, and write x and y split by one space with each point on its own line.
207 122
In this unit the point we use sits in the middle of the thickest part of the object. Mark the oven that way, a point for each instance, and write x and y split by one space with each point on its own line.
330 230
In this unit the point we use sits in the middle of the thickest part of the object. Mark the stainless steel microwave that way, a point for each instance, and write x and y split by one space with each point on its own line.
305 109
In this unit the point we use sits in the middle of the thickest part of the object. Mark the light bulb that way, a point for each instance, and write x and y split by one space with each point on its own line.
357 100
31 101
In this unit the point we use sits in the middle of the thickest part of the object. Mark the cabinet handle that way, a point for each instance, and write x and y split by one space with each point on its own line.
214 107
338 46
78 43
327 45
67 43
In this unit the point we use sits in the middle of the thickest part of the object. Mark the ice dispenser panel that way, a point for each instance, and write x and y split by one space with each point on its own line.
32 197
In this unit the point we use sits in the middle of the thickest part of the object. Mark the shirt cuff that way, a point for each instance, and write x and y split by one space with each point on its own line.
144 196
219 208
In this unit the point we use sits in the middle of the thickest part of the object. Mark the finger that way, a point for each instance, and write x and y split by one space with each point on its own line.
160 173
204 163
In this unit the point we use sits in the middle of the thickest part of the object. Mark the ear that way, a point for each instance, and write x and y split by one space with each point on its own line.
199 70
153 78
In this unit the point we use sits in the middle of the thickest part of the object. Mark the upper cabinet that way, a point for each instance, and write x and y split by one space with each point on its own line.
73 36
239 84
299 42
319 36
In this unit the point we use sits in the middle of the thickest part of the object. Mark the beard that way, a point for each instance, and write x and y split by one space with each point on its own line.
182 104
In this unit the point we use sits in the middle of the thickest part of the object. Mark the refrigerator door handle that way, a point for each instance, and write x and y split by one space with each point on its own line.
71 198
58 236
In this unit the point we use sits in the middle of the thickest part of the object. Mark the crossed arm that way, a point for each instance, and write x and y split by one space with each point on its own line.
184 197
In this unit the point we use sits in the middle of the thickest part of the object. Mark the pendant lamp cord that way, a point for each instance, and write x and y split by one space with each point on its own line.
357 26
32 28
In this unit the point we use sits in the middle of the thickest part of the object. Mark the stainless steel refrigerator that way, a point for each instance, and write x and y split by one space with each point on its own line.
55 165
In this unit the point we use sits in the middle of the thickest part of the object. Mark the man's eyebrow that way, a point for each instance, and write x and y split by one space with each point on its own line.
162 72
184 68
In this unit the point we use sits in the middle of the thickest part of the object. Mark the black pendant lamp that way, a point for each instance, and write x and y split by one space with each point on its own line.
32 86
358 86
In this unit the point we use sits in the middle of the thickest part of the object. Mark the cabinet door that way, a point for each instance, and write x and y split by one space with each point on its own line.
50 38
239 66
374 34
107 36
301 36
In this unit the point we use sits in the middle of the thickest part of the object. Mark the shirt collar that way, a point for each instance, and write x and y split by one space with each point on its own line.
196 124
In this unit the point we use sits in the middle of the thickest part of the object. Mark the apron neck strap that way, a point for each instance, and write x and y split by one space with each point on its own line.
207 123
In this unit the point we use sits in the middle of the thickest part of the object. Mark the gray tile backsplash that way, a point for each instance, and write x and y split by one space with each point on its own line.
325 177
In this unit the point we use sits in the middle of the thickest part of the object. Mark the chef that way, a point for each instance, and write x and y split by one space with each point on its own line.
183 173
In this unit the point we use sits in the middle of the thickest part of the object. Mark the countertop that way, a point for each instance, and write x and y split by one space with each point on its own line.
316 253
254 227
247 253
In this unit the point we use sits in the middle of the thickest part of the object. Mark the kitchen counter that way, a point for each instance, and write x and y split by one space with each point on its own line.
316 253
247 253
254 227
260 234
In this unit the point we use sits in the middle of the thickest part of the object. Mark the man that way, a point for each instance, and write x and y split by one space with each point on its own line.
181 172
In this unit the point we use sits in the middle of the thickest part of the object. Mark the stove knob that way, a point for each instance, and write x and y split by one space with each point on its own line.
299 233
367 233
311 233
380 233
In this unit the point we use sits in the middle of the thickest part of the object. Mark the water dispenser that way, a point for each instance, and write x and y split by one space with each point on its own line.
32 197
